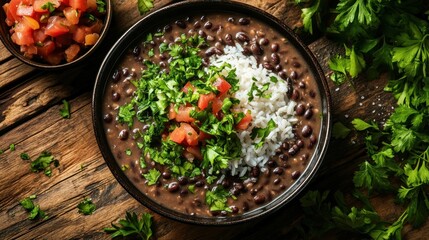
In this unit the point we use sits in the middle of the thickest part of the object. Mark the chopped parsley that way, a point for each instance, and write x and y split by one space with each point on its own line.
262 133
132 226
12 147
34 210
260 90
151 53
152 176
43 162
24 156
217 199
128 152
86 207
101 6
144 6
48 6
65 111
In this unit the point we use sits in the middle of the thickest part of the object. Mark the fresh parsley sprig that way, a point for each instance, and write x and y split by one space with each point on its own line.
132 226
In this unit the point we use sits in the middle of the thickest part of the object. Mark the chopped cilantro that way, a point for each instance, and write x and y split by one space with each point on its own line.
128 152
191 188
217 199
43 162
34 210
24 156
152 176
48 6
12 147
262 133
101 6
144 6
151 53
125 167
132 226
86 207
90 17
65 111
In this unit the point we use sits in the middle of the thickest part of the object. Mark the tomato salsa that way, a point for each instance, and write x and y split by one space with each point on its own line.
54 31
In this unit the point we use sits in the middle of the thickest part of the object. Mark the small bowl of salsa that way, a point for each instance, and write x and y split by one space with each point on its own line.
54 34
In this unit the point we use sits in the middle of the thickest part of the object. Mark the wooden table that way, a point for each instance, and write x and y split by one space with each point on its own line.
30 101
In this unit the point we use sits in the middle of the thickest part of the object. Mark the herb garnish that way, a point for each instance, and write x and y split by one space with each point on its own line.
262 133
65 110
217 199
101 6
144 6
397 42
48 6
86 207
43 162
132 226
34 210
24 156
12 147
152 176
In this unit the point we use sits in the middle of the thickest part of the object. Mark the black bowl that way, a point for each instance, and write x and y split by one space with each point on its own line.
5 37
135 34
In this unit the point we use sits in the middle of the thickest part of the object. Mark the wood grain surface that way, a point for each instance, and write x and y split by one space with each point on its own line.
30 101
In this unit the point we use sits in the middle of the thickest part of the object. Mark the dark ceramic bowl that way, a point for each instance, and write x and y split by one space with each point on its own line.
152 21
5 37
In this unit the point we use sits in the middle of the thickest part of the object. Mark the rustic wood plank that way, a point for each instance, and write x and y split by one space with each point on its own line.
12 70
4 53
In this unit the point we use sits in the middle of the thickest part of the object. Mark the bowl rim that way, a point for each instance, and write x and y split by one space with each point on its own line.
12 47
126 41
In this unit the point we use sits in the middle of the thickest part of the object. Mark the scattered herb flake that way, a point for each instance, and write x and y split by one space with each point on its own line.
12 147
145 6
48 6
34 210
65 111
152 176
86 207
24 156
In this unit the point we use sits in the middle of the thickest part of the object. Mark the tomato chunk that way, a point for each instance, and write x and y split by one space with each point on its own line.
23 34
244 123
91 39
79 4
183 114
191 135
222 85
56 26
203 136
72 52
46 48
188 86
216 106
195 151
72 15
172 112
205 99
178 135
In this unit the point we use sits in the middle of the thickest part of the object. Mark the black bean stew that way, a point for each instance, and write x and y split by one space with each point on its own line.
274 52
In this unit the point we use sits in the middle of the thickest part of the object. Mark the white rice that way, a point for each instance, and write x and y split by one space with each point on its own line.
277 107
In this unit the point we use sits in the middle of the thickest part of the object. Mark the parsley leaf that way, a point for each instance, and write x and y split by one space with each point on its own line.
86 207
24 156
101 6
152 176
262 133
48 6
217 199
34 210
65 111
132 226
12 147
339 131
145 6
43 162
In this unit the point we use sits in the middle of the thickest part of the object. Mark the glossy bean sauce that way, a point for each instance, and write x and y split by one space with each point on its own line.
271 50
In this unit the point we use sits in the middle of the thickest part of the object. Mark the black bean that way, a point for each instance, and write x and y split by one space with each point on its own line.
202 33
267 65
278 170
116 76
235 191
243 21
210 38
246 51
167 28
256 49
197 202
275 47
116 96
305 156
313 139
277 181
300 143
253 191
294 75
242 37
309 113
199 183
234 209
197 24
180 23
285 145
271 163
226 183
108 118
173 187
306 131
245 206
136 51
295 95
125 72
223 213
296 64
238 185
218 51
275 59
228 39
183 192
166 175
283 74
282 186
278 150
292 151
214 213
295 175
255 171
123 134
301 85
210 51
278 67
182 180
217 27
312 93
264 41
231 20
283 157
259 199
300 109
208 25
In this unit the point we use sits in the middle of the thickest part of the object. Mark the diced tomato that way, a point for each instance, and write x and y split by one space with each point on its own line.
216 105
95 27
178 135
188 86
39 35
205 99
25 10
202 137
171 112
196 151
191 136
29 51
91 39
244 123
79 35
79 4
31 22
91 5
23 34
72 15
183 114
12 7
72 52
47 48
42 5
64 40
56 26
222 85
55 58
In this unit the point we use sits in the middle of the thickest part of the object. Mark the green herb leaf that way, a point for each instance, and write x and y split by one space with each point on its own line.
65 111
86 207
12 147
339 131
145 6
152 176
48 6
217 199
132 226
42 163
24 156
101 6
34 210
